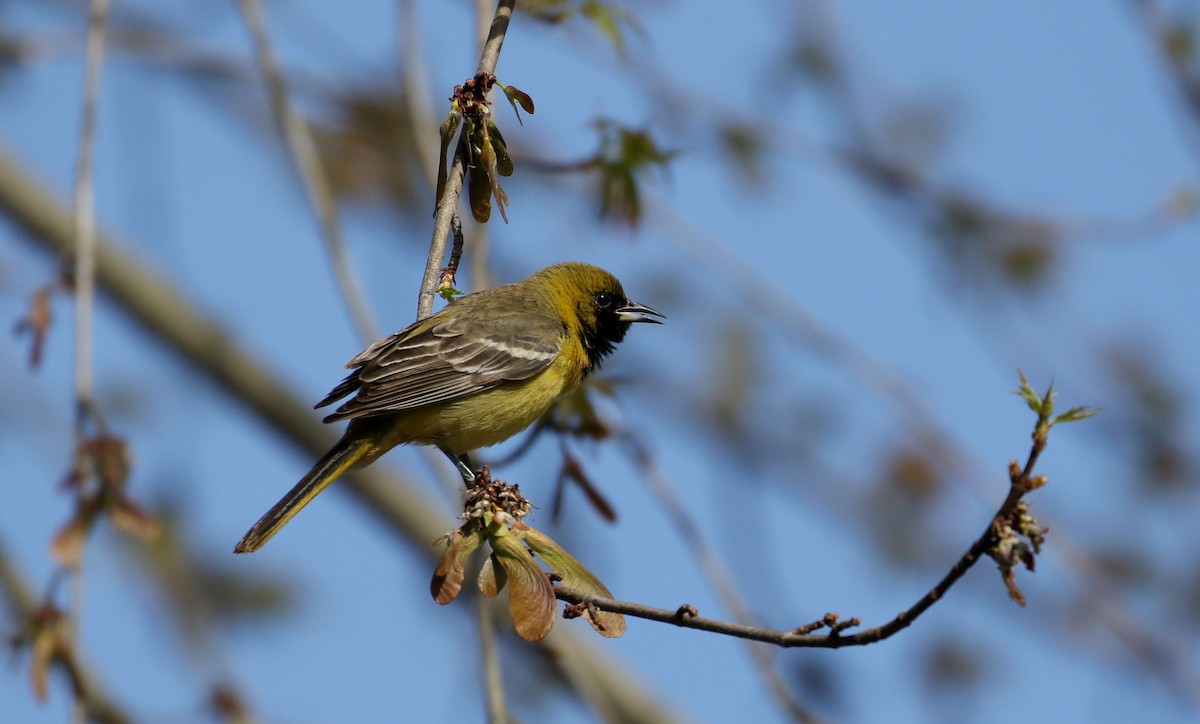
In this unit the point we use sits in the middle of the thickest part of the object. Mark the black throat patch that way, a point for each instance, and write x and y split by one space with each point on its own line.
600 340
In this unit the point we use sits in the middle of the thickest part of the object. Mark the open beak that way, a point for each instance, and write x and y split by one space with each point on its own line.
634 312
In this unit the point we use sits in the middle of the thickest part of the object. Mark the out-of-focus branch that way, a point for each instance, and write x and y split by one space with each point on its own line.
22 608
205 346
85 212
1176 47
493 679
448 202
303 150
415 78
85 288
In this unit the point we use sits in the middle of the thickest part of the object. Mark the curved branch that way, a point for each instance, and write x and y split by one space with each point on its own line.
1022 481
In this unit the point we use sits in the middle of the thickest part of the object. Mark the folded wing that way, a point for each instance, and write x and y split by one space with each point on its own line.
456 358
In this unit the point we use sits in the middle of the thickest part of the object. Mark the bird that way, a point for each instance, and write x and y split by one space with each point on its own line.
479 371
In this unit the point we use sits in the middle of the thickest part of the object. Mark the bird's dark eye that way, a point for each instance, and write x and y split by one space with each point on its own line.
604 300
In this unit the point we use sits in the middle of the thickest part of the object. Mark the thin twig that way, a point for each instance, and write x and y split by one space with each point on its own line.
448 203
303 150
450 273
85 275
85 213
491 47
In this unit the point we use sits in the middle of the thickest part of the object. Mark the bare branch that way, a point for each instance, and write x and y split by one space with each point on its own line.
1022 481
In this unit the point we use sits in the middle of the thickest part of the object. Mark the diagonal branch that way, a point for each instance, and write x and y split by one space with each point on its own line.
448 202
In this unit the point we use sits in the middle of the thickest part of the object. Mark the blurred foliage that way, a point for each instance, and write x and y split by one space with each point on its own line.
625 157
745 150
612 21
1150 410
902 506
98 476
370 151
954 666
734 372
984 241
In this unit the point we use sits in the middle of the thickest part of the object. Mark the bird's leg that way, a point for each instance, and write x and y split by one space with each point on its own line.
462 464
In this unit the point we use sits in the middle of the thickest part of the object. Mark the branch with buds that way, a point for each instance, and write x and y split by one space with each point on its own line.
1012 537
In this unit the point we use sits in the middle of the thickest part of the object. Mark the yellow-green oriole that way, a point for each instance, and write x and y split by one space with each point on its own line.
476 373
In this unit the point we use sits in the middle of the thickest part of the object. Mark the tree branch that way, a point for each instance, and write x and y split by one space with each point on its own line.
1022 481
85 212
85 283
448 202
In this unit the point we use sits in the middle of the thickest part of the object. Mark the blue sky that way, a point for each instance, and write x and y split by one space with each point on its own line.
1057 109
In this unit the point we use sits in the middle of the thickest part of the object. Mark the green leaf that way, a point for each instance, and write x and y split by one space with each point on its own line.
575 575
531 601
450 293
609 19
1033 399
1074 414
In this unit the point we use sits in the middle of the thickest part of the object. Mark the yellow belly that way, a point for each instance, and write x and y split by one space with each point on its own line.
471 422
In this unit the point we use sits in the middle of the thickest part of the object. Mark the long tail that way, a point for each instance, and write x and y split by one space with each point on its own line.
340 458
